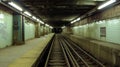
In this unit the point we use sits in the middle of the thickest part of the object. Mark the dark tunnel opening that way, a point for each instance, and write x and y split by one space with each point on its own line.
57 30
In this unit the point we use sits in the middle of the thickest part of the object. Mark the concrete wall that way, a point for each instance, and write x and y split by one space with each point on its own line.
6 23
29 29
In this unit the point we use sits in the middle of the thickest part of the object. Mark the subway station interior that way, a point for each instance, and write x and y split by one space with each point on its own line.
59 33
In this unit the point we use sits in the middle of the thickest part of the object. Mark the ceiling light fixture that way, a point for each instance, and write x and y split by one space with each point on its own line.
63 27
51 27
41 21
34 17
15 6
72 22
78 19
37 19
27 13
106 4
47 25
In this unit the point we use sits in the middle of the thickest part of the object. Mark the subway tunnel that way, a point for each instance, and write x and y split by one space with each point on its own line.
59 33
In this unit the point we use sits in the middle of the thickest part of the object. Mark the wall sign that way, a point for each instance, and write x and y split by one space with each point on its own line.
102 31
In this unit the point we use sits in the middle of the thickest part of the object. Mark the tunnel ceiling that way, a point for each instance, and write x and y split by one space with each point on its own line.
59 12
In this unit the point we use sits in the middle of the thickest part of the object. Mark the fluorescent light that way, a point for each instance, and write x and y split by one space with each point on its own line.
27 13
34 17
41 21
47 25
37 19
75 20
51 27
106 4
15 6
63 27
72 22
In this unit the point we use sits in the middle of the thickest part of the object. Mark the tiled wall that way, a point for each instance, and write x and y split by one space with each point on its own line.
6 23
92 30
29 30
41 30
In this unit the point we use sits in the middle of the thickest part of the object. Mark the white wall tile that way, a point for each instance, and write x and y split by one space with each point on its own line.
29 30
92 30
6 24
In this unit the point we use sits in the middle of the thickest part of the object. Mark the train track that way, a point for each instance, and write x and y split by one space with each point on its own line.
57 56
83 58
65 53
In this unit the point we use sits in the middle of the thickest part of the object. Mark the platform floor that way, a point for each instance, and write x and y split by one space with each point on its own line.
10 55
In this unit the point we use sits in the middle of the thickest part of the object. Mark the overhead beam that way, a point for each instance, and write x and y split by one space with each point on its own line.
95 0
68 3
79 2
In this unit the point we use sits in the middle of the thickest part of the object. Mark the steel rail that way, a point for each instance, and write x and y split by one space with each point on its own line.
72 59
74 44
62 57
46 63
85 63
68 64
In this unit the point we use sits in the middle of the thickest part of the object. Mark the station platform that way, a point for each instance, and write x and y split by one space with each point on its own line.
23 55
